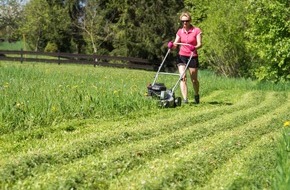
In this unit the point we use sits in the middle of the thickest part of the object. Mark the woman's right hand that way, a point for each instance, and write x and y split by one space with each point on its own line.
170 45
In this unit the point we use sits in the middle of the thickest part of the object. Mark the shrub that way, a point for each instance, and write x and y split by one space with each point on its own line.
51 47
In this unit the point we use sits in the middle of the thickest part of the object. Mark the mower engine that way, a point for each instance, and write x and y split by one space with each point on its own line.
155 89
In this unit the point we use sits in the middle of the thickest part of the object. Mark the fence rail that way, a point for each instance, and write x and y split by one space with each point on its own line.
68 58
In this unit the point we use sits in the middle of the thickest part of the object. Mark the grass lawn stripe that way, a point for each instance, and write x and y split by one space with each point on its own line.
125 150
168 162
158 114
41 140
113 132
237 167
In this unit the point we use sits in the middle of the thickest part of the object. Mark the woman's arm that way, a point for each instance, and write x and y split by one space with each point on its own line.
199 41
177 40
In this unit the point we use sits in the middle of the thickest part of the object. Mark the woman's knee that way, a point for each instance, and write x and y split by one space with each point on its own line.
183 79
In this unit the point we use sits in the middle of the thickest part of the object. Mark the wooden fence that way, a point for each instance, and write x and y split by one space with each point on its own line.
69 58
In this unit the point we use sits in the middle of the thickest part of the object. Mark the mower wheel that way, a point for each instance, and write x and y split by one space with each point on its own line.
177 101
164 104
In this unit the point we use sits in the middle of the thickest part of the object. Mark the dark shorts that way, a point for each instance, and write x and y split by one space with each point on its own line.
182 60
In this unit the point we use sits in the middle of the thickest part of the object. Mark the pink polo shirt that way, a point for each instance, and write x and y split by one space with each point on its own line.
188 37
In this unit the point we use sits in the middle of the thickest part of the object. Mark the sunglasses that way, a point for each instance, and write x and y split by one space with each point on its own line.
184 21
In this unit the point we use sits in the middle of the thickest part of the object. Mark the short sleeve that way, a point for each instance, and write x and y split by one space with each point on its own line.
198 31
179 32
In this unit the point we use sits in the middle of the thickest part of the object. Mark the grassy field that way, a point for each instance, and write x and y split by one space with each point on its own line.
12 46
85 127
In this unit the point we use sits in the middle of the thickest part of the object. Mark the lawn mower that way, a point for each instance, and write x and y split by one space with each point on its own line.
166 96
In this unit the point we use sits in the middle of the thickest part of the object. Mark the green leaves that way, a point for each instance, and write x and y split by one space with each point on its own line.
224 38
268 42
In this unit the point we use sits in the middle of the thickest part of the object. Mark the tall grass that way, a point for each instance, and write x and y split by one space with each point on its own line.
43 94
37 94
282 179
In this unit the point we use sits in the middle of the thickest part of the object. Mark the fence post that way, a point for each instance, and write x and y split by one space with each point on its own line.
21 56
94 59
58 57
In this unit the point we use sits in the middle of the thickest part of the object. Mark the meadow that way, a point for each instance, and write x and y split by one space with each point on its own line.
85 127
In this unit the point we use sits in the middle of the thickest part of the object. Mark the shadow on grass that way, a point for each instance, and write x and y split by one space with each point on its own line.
217 103
220 103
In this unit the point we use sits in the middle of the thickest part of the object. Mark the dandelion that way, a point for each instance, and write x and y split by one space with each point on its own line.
6 85
286 123
53 109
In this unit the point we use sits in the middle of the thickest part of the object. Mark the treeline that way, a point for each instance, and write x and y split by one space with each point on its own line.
241 38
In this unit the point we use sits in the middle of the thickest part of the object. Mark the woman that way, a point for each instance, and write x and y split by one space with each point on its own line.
189 38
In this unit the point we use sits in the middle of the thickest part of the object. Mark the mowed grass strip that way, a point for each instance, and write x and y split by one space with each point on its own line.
88 126
162 144
110 129
194 164
73 131
52 151
238 171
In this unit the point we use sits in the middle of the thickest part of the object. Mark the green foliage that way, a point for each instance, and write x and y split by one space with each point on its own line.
35 24
146 27
46 22
11 15
198 8
269 38
129 28
58 26
51 47
240 38
223 25
95 27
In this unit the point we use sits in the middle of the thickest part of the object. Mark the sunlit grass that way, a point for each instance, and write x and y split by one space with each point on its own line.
85 127
37 94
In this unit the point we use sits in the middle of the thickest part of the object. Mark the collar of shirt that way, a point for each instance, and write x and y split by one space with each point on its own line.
189 31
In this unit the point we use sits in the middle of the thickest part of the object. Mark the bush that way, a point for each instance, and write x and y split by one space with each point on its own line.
51 47
223 25
269 42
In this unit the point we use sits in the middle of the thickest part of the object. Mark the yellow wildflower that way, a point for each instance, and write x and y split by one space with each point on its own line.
6 85
287 124
53 108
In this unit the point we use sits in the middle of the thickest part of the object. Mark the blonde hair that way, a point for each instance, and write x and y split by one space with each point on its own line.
186 14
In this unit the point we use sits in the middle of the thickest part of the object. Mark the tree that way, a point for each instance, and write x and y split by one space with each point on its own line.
125 28
10 16
223 24
35 24
47 22
143 27
59 24
269 38
130 28
76 13
95 26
